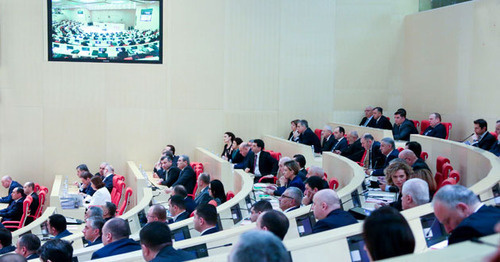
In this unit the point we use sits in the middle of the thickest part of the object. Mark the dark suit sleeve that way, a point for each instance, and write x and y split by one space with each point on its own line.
8 198
320 226
404 131
440 131
462 233
172 177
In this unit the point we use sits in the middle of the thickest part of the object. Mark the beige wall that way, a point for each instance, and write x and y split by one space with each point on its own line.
245 66
452 61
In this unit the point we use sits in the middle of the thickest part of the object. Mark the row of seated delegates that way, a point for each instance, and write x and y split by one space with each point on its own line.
259 245
256 160
14 211
7 182
106 173
168 150
403 127
484 139
333 139
187 176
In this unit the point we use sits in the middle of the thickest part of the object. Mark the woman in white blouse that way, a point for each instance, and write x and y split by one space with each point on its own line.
101 196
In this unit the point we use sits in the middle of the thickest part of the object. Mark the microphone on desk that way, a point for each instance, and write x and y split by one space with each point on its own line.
153 187
479 241
225 245
467 137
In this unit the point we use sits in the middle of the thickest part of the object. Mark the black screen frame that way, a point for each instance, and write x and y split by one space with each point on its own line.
51 57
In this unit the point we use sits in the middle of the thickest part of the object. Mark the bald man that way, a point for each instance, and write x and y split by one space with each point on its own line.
411 159
326 208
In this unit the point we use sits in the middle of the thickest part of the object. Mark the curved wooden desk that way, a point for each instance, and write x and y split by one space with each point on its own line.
289 148
35 226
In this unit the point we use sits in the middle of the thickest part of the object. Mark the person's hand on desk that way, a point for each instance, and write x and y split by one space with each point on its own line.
247 170
155 175
283 180
368 171
270 190
337 152
169 190
383 186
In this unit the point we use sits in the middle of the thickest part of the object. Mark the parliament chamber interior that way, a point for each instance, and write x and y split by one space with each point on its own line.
230 130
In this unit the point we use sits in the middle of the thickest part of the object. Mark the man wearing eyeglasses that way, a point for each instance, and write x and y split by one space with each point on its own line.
290 199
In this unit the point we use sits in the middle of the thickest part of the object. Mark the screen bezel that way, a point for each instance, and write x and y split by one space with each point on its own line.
121 61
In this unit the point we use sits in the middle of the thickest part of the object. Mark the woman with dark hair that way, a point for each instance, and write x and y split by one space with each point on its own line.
228 143
396 175
387 234
217 192
294 134
236 157
426 175
289 179
101 195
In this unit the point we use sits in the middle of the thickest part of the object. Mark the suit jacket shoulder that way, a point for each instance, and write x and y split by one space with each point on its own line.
487 142
337 218
479 224
168 253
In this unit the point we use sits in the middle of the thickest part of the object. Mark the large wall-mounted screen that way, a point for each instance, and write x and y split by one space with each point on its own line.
124 31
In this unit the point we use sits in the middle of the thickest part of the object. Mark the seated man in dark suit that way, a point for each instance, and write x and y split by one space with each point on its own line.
307 136
158 213
168 173
177 208
29 190
412 160
27 246
180 190
313 184
108 211
482 138
328 139
380 120
247 154
275 222
56 225
403 127
203 196
187 177
263 163
368 118
374 158
86 186
156 244
108 177
205 219
92 232
328 212
463 215
6 241
435 129
14 211
7 182
291 199
387 147
115 238
495 149
354 150
258 208
340 140
301 160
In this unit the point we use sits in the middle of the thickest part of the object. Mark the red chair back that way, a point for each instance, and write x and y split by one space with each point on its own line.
229 195
455 175
439 178
416 123
42 188
119 191
448 181
440 160
275 155
41 203
37 187
192 214
400 149
494 134
424 156
26 210
334 183
318 133
424 124
213 203
126 201
447 168
448 128
274 179
362 161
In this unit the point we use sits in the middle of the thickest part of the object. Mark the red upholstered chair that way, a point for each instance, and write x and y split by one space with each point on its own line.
400 149
318 133
416 123
494 134
362 161
448 128
447 168
424 124
439 178
126 201
37 187
334 183
13 225
213 203
455 175
448 181
42 188
440 160
275 155
229 195
119 191
192 214
424 156
274 179
41 203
